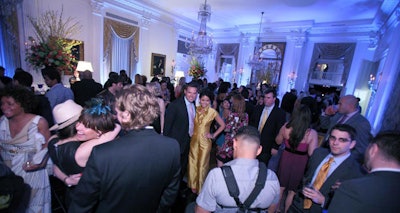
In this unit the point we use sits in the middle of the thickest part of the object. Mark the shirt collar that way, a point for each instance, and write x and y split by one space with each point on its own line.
351 114
340 159
186 101
385 169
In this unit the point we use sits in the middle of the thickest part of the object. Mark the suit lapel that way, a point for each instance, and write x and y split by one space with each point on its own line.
338 174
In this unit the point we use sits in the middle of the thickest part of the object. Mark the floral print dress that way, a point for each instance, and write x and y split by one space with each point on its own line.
233 123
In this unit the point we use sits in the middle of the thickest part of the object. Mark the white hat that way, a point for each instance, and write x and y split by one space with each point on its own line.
65 114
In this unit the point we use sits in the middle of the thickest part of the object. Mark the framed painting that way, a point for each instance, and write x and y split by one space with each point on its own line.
157 64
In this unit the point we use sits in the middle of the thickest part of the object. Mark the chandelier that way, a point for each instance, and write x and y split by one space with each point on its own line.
255 61
201 44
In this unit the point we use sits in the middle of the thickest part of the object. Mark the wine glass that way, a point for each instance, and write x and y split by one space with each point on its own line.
40 86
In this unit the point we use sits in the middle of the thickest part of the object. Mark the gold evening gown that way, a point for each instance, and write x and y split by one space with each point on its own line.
200 147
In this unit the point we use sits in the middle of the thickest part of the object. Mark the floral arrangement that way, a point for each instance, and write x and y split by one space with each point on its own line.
197 69
51 47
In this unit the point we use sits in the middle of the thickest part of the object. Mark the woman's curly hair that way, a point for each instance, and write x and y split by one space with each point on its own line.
21 95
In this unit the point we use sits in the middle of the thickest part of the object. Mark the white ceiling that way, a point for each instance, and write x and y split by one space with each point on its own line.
228 14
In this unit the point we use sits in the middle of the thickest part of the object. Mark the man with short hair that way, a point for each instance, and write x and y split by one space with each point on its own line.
347 113
215 197
86 88
268 119
57 93
179 121
114 85
379 191
325 169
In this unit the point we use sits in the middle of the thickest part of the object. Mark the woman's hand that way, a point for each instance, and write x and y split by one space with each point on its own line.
72 180
209 136
30 167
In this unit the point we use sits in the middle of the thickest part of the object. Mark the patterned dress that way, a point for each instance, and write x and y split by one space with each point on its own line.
233 123
200 147
17 151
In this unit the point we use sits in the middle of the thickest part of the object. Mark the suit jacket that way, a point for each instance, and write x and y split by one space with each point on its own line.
377 192
275 121
176 123
348 169
362 126
85 89
249 108
139 172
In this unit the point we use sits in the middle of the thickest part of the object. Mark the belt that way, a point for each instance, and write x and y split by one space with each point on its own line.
295 151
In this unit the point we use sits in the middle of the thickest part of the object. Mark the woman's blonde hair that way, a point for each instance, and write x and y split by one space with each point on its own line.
142 106
238 104
154 88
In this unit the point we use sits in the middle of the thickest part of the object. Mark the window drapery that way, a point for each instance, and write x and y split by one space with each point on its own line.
10 57
226 50
121 46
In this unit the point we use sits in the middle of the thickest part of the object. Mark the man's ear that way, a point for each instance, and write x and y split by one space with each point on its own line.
372 150
352 144
259 150
235 143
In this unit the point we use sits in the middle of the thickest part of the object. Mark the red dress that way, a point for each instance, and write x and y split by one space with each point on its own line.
292 165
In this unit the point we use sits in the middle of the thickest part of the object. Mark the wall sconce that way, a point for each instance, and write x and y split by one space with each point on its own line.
173 64
292 79
372 83
83 66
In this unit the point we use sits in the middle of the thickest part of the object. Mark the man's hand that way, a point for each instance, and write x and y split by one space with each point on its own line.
314 195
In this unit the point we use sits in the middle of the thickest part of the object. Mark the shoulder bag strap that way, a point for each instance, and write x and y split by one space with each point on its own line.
231 184
260 183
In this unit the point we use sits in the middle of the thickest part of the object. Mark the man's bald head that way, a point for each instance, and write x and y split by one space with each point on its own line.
348 104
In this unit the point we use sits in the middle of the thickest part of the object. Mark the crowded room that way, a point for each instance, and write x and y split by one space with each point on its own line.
186 106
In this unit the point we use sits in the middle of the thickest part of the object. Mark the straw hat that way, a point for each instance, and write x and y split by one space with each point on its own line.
65 114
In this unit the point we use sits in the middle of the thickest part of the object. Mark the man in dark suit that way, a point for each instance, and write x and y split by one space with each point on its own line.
347 113
378 191
179 121
342 167
138 172
268 118
249 104
86 88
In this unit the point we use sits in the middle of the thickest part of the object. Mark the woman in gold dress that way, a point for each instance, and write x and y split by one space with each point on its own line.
200 144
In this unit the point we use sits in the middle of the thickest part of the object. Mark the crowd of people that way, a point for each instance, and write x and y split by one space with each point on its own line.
142 147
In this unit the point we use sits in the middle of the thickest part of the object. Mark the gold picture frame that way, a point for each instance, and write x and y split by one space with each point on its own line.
157 64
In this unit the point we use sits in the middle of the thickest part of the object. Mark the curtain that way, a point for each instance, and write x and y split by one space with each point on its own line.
121 46
226 50
343 51
10 57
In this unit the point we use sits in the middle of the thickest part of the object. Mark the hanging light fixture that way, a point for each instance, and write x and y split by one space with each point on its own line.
255 60
201 44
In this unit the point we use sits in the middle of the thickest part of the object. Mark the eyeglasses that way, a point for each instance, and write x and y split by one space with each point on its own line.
342 140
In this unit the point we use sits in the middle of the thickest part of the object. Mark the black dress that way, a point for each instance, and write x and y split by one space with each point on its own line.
64 156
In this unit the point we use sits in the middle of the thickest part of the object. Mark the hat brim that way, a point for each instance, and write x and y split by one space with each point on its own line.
66 123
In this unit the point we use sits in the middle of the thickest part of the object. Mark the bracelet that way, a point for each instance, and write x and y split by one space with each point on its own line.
65 179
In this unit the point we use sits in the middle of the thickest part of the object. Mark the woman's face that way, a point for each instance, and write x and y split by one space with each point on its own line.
10 107
84 134
226 104
205 101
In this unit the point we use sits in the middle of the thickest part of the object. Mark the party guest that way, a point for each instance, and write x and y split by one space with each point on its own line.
138 172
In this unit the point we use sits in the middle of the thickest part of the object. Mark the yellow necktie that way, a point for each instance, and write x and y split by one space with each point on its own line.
263 120
319 180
